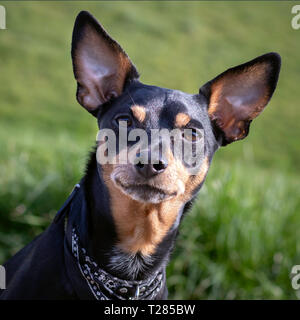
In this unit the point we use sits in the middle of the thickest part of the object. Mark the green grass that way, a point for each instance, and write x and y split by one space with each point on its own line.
240 241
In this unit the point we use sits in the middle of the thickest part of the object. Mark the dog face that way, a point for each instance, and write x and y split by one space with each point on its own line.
219 114
150 108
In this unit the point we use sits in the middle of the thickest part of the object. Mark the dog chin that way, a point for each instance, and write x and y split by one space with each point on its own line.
144 193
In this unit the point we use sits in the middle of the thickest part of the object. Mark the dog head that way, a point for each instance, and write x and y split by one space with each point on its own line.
220 113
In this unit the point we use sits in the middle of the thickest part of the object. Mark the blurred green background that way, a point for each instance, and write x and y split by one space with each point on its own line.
242 238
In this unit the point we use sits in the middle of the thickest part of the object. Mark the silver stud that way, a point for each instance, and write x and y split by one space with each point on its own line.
123 290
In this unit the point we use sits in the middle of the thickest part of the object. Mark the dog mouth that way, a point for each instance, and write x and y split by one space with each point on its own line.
145 192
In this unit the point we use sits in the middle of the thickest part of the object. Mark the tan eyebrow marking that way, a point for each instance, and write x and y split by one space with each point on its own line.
182 119
139 112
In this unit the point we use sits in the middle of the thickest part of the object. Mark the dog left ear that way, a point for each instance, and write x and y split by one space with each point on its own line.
240 94
100 65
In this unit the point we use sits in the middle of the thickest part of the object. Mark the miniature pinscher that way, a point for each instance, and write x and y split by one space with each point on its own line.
113 237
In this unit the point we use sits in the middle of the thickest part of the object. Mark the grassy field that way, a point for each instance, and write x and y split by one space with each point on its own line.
242 238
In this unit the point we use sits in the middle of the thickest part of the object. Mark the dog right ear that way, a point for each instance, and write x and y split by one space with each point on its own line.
100 65
240 94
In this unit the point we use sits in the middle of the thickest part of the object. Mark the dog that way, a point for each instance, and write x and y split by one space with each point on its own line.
113 237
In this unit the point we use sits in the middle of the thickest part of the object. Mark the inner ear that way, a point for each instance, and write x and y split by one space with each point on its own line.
100 65
240 94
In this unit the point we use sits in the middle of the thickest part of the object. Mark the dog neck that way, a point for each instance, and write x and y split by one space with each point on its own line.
128 239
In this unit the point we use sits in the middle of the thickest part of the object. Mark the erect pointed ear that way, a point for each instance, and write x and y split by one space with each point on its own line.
240 94
100 65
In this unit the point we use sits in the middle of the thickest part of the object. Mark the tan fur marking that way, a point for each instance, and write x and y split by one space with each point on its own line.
195 181
139 113
182 120
142 226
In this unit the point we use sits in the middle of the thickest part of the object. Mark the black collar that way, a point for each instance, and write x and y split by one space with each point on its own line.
104 286
88 279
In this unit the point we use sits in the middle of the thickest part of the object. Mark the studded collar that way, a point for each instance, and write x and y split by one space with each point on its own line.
104 286
88 279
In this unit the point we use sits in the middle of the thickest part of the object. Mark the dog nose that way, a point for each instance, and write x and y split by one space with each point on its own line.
150 170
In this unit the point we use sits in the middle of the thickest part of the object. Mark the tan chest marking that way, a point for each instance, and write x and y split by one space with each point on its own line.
141 227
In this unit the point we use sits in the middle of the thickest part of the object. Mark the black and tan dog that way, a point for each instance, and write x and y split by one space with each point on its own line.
113 237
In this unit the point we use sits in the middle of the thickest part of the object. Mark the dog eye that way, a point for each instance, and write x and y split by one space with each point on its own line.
123 118
191 135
